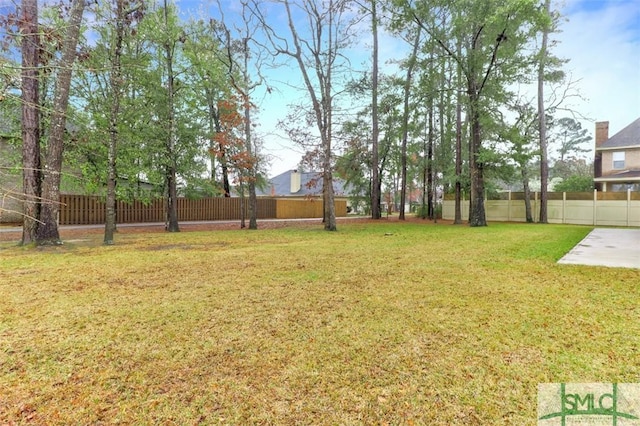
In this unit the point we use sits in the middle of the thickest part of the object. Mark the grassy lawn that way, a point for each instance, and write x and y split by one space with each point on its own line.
389 323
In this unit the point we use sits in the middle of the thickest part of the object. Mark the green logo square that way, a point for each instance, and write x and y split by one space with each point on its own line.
598 404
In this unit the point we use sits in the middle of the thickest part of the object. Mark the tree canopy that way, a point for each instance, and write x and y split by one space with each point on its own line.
161 104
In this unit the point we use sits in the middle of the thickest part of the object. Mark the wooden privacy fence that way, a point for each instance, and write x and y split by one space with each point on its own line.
306 208
581 208
90 210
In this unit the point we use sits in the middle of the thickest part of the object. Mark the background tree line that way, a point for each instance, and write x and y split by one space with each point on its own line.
141 102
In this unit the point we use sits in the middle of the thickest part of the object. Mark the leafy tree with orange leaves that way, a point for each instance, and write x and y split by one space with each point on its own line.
230 147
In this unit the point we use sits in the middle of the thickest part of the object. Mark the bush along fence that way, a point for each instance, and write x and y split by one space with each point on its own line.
580 208
90 210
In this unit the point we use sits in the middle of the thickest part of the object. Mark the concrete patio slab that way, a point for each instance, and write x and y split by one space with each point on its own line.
614 247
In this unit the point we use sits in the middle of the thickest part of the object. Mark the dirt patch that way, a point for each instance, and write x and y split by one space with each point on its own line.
70 233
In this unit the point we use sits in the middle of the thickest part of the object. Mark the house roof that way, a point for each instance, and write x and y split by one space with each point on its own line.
626 175
310 184
625 138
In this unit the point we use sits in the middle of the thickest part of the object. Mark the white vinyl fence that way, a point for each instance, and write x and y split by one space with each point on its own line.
581 208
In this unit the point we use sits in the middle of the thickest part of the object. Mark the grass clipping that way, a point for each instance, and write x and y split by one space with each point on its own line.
376 324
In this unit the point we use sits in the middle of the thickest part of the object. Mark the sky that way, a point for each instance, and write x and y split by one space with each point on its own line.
601 39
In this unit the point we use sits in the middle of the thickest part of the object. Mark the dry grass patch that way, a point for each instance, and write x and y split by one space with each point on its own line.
430 325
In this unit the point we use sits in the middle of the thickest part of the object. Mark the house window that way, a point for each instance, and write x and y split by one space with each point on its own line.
618 160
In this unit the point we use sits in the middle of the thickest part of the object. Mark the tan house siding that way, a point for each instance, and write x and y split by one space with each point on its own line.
631 160
626 176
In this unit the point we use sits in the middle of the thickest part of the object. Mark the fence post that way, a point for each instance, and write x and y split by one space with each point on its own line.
628 206
564 201
595 207
509 207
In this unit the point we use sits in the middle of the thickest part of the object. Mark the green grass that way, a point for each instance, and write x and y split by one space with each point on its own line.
435 325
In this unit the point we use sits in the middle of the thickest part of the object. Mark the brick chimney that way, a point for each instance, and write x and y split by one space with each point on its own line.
602 132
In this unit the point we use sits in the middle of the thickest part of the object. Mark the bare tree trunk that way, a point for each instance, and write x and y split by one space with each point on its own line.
425 172
110 204
542 125
327 101
243 223
212 129
527 194
224 167
445 141
430 185
458 202
477 213
30 120
116 89
48 229
171 168
329 201
405 124
375 131
253 202
403 161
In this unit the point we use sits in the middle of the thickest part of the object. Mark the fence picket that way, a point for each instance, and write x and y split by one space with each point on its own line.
90 209
584 208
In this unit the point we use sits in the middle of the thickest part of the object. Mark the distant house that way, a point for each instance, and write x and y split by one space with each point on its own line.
617 161
293 183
